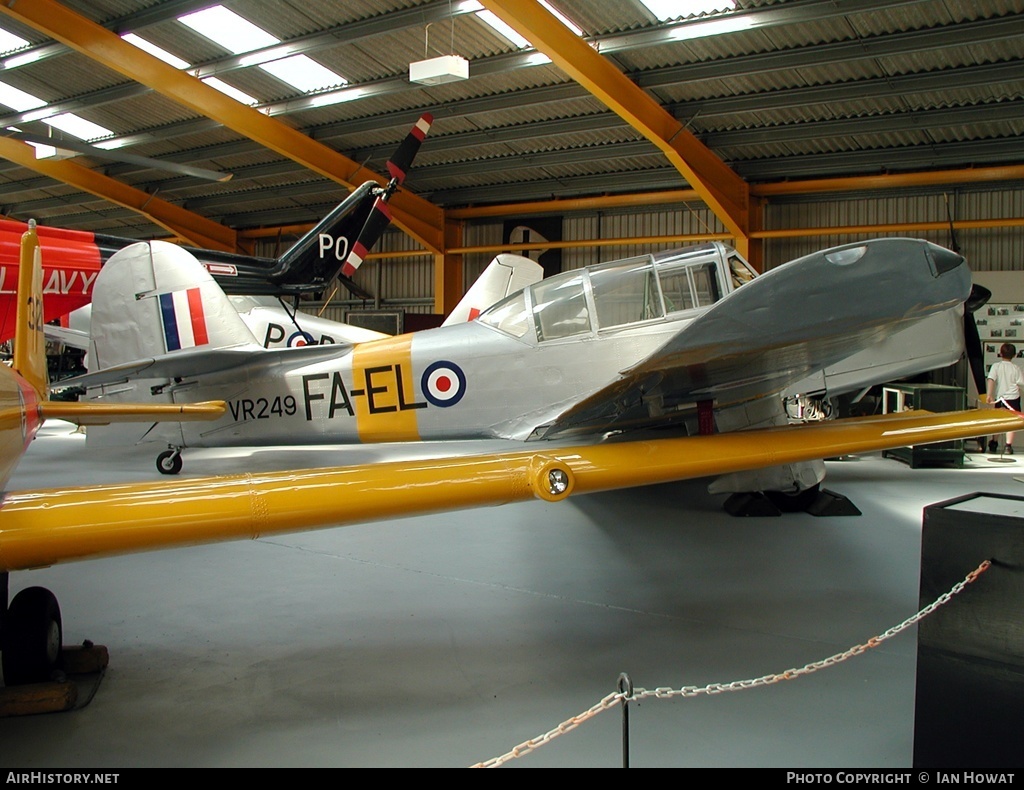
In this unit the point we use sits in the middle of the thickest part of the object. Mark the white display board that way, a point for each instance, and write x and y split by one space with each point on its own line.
1000 323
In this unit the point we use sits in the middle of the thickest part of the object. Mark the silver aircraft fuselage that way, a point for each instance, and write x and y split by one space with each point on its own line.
628 343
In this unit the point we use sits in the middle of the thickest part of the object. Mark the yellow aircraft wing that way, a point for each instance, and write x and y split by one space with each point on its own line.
39 528
44 527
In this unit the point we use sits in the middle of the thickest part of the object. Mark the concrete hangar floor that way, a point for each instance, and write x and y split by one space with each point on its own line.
447 640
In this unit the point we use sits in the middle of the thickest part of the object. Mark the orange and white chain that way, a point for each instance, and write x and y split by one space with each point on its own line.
613 700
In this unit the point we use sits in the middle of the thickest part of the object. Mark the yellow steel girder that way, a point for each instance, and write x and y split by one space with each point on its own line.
720 187
413 214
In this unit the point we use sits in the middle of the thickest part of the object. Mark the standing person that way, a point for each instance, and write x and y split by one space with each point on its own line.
1003 385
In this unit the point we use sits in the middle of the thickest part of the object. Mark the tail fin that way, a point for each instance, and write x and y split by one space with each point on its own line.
317 257
343 238
503 276
154 298
29 343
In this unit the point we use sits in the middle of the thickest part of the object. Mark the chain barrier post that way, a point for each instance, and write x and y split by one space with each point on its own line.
626 690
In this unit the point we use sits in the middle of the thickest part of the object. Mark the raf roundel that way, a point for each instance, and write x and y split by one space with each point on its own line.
443 383
301 339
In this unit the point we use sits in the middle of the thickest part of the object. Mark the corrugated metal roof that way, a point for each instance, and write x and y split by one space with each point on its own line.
794 86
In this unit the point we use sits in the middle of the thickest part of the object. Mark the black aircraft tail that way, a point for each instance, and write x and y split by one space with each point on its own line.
341 239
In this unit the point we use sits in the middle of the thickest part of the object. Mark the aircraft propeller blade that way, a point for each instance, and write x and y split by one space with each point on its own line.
79 147
977 299
380 216
373 229
972 341
401 160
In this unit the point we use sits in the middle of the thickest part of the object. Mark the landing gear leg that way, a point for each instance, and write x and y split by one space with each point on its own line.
169 461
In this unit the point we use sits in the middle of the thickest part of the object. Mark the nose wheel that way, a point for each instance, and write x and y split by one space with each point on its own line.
169 461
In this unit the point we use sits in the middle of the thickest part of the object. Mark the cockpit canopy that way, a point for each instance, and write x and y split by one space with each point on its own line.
614 295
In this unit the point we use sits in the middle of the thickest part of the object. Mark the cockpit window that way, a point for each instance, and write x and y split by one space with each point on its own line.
675 285
741 272
688 287
560 307
705 284
625 293
620 293
509 315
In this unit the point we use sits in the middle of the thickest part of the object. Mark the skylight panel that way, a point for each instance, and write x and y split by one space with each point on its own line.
510 33
77 127
178 63
236 34
680 9
18 100
304 73
337 97
155 51
562 18
229 90
505 31
10 42
110 145
30 56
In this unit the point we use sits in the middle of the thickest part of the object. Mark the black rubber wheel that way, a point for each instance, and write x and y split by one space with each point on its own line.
32 637
169 462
